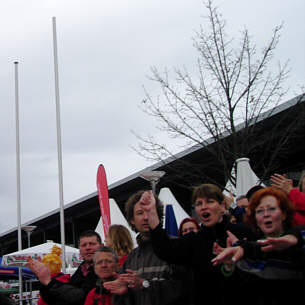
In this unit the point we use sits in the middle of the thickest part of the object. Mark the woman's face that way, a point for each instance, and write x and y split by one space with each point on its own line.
269 217
188 227
209 210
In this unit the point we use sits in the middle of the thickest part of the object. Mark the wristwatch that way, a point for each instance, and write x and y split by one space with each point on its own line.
145 284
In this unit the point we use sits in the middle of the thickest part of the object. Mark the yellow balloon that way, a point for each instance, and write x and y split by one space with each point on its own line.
53 260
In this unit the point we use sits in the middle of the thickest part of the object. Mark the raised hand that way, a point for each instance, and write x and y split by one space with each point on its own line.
148 204
148 201
40 270
281 182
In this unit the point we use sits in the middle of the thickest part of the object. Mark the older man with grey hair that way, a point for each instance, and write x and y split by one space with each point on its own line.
105 263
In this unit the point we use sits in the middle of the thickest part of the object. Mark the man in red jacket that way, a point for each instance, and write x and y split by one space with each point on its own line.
105 266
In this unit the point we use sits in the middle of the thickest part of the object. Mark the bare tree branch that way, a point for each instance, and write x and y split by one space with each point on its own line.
234 85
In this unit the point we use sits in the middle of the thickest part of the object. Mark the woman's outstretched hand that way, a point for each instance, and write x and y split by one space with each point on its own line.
278 243
228 255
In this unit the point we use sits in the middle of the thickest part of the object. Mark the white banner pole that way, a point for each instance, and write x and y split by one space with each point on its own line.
59 150
18 177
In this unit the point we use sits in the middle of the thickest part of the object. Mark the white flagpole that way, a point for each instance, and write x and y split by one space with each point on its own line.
59 150
18 177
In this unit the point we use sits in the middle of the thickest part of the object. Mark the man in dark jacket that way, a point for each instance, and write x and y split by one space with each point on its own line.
145 279
82 281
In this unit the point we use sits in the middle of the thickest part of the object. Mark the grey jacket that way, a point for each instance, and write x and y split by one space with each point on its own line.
169 284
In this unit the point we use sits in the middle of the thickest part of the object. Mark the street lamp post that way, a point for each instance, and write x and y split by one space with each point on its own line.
153 177
29 230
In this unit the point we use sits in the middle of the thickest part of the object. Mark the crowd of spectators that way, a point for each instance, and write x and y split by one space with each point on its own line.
253 253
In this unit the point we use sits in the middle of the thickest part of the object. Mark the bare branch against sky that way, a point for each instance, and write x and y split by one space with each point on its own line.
235 84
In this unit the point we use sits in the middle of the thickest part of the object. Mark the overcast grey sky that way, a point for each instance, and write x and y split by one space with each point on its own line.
105 49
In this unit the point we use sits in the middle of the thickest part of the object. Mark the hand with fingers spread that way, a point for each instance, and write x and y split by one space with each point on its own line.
148 204
278 243
217 249
40 270
228 262
231 239
228 256
281 182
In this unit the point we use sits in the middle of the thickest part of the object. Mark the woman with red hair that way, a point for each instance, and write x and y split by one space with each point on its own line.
274 264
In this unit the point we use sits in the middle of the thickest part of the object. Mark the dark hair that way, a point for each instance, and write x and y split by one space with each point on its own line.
252 190
283 201
208 191
133 200
185 220
90 233
300 183
107 250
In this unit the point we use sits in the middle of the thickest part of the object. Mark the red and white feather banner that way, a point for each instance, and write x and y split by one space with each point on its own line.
102 188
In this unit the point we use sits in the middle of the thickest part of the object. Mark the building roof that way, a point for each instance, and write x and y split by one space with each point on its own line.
84 213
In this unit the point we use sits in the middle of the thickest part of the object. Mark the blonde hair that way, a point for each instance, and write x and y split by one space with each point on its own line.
121 239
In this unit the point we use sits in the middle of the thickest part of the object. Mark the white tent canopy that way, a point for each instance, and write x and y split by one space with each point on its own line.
19 258
246 178
116 217
167 197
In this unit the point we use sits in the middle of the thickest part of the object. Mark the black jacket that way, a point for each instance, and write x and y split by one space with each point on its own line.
72 293
277 275
195 250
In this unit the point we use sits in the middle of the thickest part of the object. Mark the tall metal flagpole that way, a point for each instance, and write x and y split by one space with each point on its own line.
59 150
18 177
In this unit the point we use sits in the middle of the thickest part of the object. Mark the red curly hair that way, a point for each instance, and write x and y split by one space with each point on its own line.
283 201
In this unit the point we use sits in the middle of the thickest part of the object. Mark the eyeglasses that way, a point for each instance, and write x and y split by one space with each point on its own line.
270 210
106 261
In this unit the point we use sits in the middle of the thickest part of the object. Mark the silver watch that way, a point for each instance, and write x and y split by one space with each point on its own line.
146 284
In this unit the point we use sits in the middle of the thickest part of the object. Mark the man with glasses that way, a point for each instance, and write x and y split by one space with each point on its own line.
105 262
